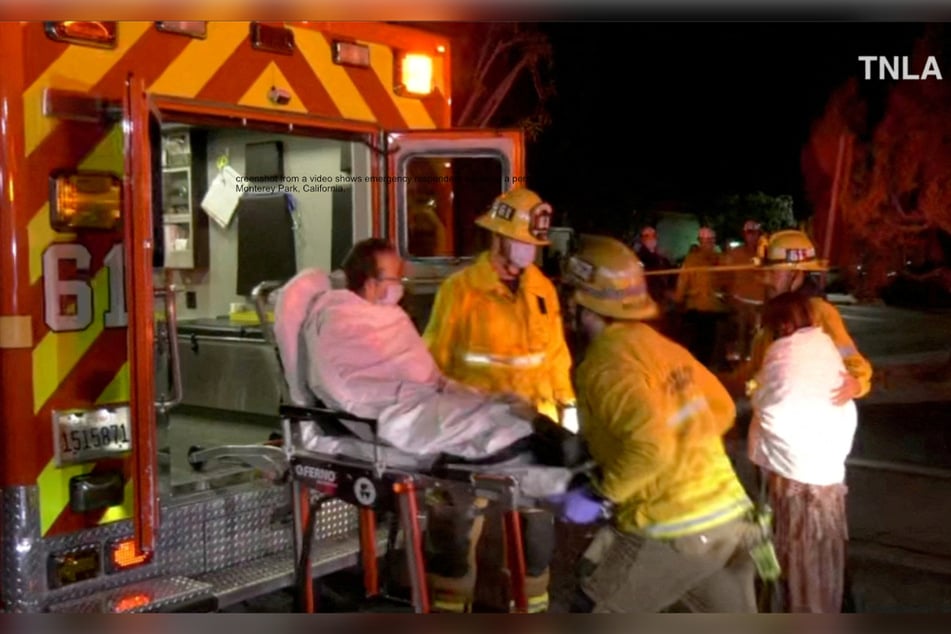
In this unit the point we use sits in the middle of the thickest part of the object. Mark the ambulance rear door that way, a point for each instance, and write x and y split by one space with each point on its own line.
437 183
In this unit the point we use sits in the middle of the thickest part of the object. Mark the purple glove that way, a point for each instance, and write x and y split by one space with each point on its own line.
580 506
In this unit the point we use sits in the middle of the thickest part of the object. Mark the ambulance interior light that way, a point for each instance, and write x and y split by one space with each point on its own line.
351 54
85 200
415 74
100 34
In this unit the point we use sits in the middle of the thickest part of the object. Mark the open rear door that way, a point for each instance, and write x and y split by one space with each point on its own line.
439 182
138 238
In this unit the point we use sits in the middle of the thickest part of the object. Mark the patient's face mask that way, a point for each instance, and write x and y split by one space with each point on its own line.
519 254
388 284
392 294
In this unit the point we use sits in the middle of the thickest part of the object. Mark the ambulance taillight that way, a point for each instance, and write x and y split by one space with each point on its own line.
73 565
85 200
124 555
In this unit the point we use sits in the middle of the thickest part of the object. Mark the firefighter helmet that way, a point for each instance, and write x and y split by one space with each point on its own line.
793 250
519 214
609 279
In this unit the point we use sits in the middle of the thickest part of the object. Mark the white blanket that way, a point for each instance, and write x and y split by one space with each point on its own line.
369 360
796 431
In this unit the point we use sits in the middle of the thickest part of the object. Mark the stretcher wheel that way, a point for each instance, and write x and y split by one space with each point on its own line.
197 465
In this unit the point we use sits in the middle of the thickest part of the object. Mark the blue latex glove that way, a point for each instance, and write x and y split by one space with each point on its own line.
580 506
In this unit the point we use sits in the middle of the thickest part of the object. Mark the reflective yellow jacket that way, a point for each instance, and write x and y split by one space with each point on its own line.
828 318
697 290
744 286
654 418
484 335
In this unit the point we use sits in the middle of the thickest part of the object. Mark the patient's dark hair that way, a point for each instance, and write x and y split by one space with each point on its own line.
787 313
360 263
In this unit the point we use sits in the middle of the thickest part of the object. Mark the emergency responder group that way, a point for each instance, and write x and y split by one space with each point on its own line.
678 527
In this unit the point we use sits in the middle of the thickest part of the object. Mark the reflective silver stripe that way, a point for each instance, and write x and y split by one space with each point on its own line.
518 361
667 529
755 302
694 406
847 351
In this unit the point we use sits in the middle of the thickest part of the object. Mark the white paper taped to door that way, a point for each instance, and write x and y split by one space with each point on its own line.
221 199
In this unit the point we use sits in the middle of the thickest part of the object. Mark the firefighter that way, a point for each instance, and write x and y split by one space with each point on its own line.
649 253
790 256
746 293
697 297
653 418
661 287
496 325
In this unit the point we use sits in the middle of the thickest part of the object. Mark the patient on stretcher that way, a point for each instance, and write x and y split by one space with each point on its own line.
357 351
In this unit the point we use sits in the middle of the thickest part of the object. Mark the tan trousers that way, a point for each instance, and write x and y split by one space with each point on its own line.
707 572
466 556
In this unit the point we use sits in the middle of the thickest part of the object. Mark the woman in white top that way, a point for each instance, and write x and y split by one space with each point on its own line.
801 440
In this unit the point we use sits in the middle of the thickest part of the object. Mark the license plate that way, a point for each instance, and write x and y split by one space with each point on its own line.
85 435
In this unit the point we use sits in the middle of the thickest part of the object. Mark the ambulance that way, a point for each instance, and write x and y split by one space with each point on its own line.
152 174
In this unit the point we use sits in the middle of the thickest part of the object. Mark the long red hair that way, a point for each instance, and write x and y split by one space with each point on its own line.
786 313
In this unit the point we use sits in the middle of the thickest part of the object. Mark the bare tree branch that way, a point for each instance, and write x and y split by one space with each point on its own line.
493 103
482 70
477 83
501 53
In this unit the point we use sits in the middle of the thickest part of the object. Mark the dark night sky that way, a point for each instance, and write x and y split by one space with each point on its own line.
687 111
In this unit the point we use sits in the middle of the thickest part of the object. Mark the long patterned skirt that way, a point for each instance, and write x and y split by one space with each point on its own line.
811 532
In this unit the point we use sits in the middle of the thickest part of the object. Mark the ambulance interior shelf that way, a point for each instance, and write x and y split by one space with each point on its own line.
185 229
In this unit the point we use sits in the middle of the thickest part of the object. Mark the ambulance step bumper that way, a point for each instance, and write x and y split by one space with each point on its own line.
245 581
162 594
219 589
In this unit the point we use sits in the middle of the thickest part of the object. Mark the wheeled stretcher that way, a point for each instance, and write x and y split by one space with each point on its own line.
353 465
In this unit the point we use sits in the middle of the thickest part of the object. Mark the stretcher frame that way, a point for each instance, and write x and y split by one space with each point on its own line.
395 490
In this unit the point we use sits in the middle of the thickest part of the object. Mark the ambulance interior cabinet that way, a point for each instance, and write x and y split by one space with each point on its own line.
184 182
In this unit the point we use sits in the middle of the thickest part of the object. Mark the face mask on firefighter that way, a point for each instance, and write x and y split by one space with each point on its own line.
519 254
